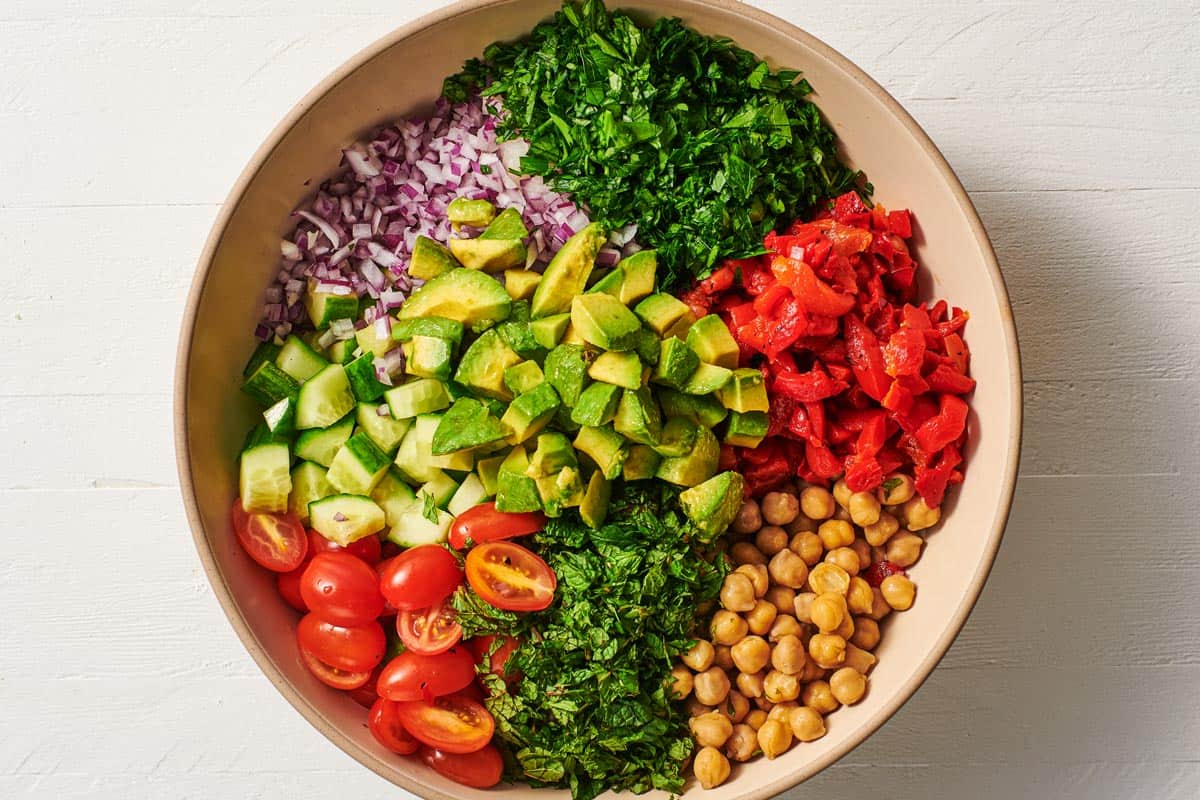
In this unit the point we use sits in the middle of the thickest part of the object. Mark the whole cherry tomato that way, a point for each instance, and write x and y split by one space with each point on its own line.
341 589
420 577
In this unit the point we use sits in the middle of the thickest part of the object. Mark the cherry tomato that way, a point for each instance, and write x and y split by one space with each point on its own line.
367 694
367 548
351 649
420 577
481 769
386 728
274 541
341 589
453 723
288 584
332 676
412 676
429 631
483 523
510 577
496 661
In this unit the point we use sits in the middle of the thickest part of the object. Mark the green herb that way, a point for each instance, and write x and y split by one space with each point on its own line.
890 484
592 709
429 508
694 139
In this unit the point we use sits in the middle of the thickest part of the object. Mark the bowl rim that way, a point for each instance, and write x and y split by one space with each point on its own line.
221 587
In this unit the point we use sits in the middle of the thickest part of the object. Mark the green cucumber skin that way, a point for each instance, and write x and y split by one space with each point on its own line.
320 445
281 417
324 398
366 452
299 360
361 374
267 351
268 384
261 434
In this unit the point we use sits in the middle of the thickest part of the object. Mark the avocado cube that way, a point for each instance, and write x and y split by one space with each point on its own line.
561 491
567 273
697 466
604 321
489 472
610 284
746 429
661 312
465 425
605 447
489 255
521 283
571 336
712 505
519 336
530 412
428 357
566 370
676 363
482 365
677 438
641 463
430 259
553 452
548 331
619 369
712 341
507 225
449 329
707 379
638 271
638 416
701 409
746 391
594 506
647 347
523 377
597 404
464 211
516 491
682 326
562 420
473 298
370 342
520 311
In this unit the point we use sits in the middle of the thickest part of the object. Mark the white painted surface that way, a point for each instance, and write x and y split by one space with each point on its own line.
1074 126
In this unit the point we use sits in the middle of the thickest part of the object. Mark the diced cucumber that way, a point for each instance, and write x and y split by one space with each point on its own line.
323 307
393 495
441 489
341 352
264 352
322 445
268 384
358 466
413 529
265 478
324 398
471 493
261 434
299 360
346 518
361 374
383 429
426 427
422 396
281 417
429 357
308 485
413 465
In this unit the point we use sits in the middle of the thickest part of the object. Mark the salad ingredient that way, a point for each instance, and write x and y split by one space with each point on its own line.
288 584
420 577
264 477
345 518
352 648
342 589
482 769
483 523
695 140
275 541
332 676
452 723
384 723
367 549
510 577
429 631
413 676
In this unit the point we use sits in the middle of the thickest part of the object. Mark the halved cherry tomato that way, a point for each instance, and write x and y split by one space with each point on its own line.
367 694
341 589
386 728
332 676
481 769
288 584
275 541
483 523
367 548
453 723
412 676
510 577
480 645
420 577
429 631
352 649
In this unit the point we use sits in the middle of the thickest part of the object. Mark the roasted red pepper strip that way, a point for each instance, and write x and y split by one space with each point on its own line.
815 295
866 358
945 379
945 427
809 386
904 354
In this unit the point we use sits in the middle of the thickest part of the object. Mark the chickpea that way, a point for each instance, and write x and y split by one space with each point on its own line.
864 508
848 686
758 575
828 611
801 524
878 534
880 608
780 508
746 553
750 684
700 656
781 711
722 657
904 549
835 533
788 656
711 767
898 591
681 682
711 729
858 659
695 708
866 633
819 697
803 605
771 539
756 718
742 743
737 592
841 493
918 516
779 687
842 514
845 558
788 569
812 672
711 686
827 649
846 629
784 625
735 707
727 627
817 503
760 618
774 738
806 724
751 654
748 518
863 551
896 489
782 597
827 577
859 597
808 546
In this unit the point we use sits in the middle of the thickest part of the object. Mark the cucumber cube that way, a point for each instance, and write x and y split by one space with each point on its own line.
265 479
422 396
358 466
324 398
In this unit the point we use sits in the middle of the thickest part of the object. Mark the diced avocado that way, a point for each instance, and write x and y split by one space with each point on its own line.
746 429
562 420
597 404
676 363
268 384
554 451
521 283
678 437
605 447
422 396
324 398
566 370
707 379
697 466
682 326
426 427
464 211
519 336
571 336
346 518
265 479
619 369
530 412
358 466
660 312
298 359
430 259
523 377
489 255
324 307
746 391
638 271
308 484
489 472
341 351
428 357
440 490
567 274
515 490
369 340
507 225
701 409
393 495
482 365
602 320
641 464
384 429
414 529
712 341
610 284
638 416
520 311
281 417
712 505
548 331
449 329
647 347
411 459
474 298
594 506
561 491
322 445
465 425
470 494
367 388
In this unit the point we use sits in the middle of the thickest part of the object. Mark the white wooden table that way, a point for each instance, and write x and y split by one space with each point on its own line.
1074 126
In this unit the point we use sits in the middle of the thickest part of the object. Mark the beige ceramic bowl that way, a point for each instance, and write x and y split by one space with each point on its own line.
400 75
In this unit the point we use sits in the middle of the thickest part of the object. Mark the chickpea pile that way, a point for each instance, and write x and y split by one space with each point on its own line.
792 639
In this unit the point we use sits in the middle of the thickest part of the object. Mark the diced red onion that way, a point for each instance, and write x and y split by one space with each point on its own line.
608 257
382 410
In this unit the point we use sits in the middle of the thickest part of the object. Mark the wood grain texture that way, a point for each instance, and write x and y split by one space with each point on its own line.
123 124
